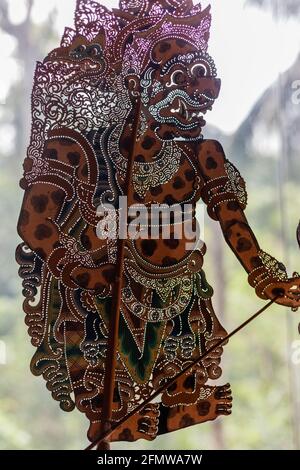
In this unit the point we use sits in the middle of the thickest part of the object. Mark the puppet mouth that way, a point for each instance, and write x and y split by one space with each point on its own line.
188 113
181 109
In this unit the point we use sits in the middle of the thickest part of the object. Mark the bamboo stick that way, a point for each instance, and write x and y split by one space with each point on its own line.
113 332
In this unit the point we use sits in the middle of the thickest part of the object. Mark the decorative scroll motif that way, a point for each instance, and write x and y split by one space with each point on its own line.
163 286
236 184
275 269
83 109
151 314
150 175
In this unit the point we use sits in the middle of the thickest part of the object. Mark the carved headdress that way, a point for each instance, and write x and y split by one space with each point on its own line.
105 43
137 26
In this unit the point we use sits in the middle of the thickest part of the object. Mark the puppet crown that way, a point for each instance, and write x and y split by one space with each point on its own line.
130 32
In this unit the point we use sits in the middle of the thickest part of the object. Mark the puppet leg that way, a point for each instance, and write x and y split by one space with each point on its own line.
143 425
158 419
181 416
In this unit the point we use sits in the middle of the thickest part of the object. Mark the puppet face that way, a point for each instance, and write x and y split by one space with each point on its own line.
179 89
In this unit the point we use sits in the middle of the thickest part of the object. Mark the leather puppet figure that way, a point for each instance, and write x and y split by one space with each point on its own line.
129 88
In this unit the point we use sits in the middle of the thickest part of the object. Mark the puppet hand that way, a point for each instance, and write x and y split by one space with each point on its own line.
289 292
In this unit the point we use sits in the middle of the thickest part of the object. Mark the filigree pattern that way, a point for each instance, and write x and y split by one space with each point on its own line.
236 184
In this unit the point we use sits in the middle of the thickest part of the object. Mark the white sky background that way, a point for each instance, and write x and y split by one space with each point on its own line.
250 48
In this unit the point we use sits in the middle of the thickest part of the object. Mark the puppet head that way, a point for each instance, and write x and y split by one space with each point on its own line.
167 63
153 49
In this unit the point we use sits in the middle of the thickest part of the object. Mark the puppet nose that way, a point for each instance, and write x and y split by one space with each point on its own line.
217 87
209 86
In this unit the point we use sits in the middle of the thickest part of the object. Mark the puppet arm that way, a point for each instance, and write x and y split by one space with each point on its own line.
49 184
223 190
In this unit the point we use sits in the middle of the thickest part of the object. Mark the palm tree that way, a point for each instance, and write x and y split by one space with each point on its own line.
277 113
283 7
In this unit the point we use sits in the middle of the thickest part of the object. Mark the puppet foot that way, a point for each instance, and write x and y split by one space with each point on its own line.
157 419
218 402
143 425
223 395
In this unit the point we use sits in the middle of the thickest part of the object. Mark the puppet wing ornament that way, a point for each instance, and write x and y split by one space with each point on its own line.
117 309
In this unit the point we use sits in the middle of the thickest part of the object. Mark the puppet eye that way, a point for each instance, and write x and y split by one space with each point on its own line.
199 70
78 52
178 78
80 49
94 51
